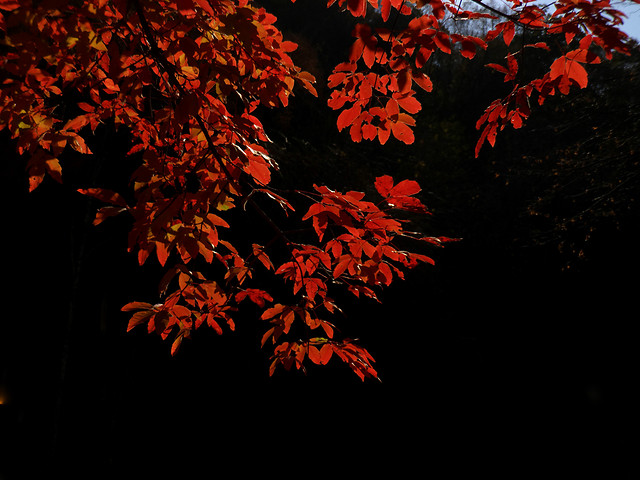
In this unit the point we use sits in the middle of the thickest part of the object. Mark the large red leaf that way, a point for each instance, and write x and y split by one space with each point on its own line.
570 69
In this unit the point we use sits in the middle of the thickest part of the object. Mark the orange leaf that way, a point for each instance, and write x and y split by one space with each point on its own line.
162 252
106 212
104 195
78 144
259 297
136 306
314 354
176 343
138 318
110 86
204 4
259 170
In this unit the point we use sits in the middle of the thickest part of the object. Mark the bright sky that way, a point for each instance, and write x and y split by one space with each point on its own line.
631 25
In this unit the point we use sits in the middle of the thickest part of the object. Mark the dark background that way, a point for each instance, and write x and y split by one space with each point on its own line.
515 355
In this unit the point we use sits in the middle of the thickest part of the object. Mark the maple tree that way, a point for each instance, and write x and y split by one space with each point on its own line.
186 79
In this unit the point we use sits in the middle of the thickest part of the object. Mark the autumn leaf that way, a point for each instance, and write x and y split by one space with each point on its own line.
348 116
322 355
136 306
257 296
78 144
104 195
567 70
402 132
384 184
405 188
357 7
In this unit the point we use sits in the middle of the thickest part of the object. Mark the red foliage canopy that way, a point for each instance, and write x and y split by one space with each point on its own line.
185 77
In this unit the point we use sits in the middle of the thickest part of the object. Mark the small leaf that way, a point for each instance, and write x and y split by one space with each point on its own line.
105 212
136 306
104 195
508 33
138 318
78 144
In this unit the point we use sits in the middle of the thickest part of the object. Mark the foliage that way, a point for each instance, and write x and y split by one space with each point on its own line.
186 79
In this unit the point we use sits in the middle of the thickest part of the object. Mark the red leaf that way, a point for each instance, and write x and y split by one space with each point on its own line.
564 67
78 144
204 4
109 86
357 49
369 132
314 354
259 297
104 195
348 116
176 343
405 188
402 132
369 54
542 45
77 123
468 48
384 132
392 109
498 67
136 306
259 170
385 9
423 81
443 42
213 324
105 212
138 318
325 353
342 265
181 312
384 185
320 356
357 8
260 254
162 252
356 130
273 311
409 104
508 31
